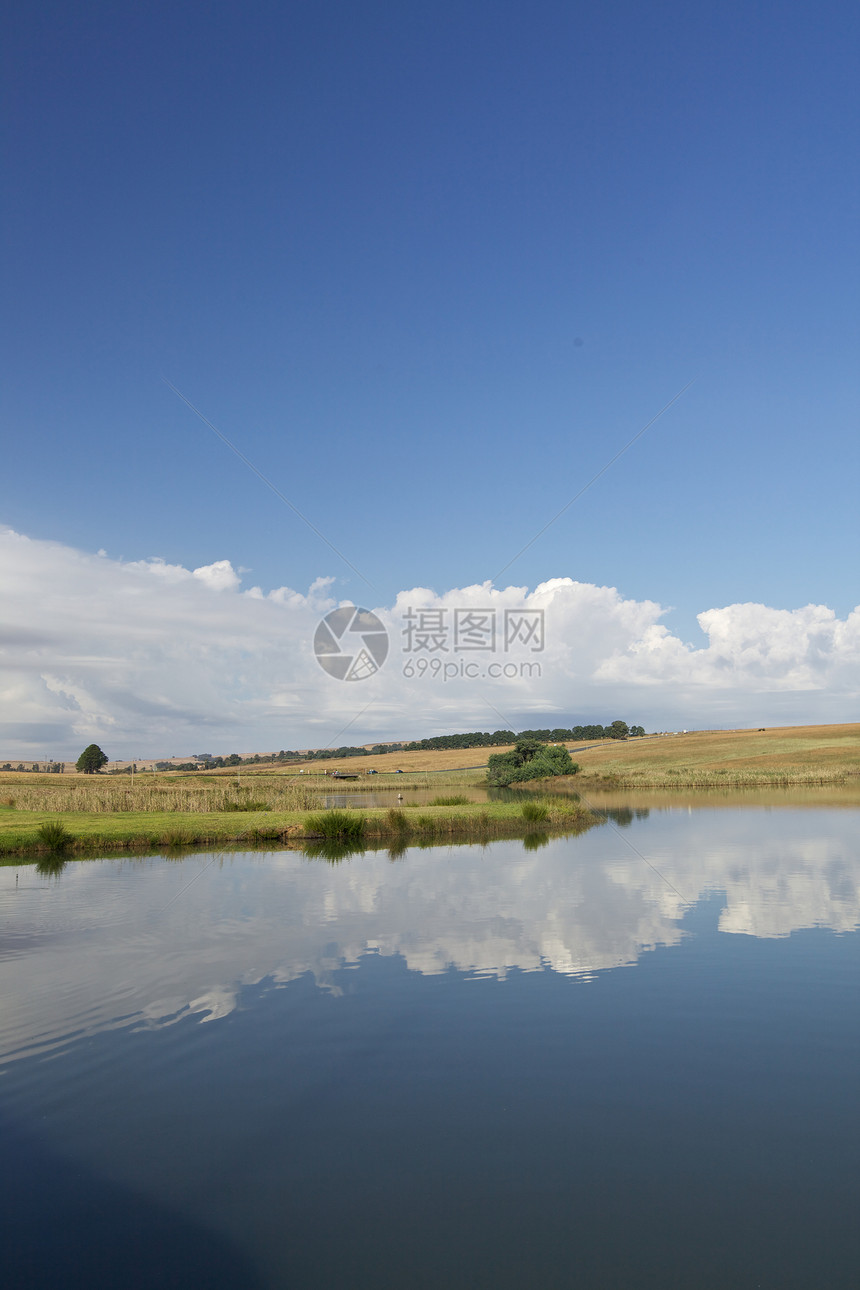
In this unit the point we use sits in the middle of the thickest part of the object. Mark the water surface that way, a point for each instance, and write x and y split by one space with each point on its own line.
625 1059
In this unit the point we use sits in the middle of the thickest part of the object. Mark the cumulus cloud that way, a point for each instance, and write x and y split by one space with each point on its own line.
152 658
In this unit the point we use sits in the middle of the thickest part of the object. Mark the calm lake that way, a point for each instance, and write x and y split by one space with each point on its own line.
628 1059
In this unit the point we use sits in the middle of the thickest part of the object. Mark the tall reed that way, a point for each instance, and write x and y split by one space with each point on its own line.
103 796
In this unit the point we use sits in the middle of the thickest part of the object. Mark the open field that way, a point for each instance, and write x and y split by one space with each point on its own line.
451 759
794 755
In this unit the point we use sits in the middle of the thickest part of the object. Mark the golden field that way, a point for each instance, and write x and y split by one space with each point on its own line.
803 752
796 754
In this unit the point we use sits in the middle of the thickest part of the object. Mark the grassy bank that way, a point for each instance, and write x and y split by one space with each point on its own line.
34 833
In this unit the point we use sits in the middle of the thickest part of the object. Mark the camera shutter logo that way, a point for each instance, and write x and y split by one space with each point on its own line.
351 644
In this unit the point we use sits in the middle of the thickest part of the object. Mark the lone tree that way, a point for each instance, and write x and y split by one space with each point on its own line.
91 760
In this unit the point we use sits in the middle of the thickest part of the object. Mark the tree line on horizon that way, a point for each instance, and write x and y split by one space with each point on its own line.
92 759
437 743
560 734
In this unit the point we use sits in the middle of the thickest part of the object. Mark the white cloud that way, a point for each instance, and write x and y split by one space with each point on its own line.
153 658
220 576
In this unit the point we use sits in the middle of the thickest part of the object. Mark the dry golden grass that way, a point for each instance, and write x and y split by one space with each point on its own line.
156 794
388 763
796 754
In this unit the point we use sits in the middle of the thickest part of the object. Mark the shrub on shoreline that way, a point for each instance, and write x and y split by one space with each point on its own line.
337 826
529 759
54 836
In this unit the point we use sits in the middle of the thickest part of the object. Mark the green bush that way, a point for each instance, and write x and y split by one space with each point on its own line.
340 826
456 800
54 836
398 821
535 812
529 759
175 838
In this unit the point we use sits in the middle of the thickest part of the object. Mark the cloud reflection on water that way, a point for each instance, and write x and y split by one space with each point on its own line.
110 945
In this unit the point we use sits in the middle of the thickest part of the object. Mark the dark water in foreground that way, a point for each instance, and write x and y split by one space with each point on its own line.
629 1059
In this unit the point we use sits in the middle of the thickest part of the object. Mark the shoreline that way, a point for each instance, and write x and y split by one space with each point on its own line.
87 833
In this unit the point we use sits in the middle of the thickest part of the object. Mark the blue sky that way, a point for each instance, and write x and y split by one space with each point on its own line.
429 269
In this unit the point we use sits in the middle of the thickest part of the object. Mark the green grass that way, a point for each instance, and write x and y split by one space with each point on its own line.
398 821
92 833
457 799
535 812
479 820
175 838
336 826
